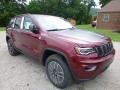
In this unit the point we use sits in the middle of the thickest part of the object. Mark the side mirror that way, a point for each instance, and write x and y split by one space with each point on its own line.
33 28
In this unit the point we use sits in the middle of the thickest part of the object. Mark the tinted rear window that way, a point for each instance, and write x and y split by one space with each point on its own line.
11 23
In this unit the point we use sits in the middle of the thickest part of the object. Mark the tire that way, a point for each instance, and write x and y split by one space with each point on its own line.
58 72
11 48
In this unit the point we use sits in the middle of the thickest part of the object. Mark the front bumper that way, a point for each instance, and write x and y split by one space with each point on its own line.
97 65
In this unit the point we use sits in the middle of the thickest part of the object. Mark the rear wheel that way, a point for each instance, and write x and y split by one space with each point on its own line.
58 72
11 48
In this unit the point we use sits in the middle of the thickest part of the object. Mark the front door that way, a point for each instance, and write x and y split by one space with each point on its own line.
31 44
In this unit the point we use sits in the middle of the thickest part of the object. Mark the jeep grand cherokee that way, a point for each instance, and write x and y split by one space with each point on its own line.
68 54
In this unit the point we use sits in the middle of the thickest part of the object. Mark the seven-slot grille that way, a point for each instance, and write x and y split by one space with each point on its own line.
104 49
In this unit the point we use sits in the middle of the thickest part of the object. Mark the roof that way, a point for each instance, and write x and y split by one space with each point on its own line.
112 6
28 14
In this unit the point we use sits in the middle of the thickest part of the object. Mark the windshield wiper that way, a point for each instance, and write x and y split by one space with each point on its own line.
61 29
72 28
55 29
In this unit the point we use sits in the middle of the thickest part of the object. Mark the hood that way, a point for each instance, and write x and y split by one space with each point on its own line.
79 36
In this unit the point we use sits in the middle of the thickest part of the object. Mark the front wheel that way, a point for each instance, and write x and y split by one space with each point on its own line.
58 72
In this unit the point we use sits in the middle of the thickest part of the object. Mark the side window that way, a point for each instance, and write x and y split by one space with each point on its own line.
106 18
18 22
26 23
11 23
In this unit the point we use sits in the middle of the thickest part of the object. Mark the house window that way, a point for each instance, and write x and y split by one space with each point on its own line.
106 18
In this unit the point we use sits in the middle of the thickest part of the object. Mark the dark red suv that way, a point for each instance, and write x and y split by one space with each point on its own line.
69 54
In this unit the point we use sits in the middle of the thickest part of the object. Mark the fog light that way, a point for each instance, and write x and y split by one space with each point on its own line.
90 68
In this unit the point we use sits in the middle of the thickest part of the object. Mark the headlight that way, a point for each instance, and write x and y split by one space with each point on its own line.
84 51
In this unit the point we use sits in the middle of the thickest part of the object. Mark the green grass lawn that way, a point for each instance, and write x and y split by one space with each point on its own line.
114 36
2 28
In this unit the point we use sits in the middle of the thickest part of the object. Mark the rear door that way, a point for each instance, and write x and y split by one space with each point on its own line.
16 32
10 27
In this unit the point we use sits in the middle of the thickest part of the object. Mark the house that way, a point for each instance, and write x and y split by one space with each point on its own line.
109 16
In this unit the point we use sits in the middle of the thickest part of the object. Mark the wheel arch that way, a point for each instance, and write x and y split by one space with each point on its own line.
47 52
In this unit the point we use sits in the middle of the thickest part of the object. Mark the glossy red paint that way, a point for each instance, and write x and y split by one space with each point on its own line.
60 42
78 64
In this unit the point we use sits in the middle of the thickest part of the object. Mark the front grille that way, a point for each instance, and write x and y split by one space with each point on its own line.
104 49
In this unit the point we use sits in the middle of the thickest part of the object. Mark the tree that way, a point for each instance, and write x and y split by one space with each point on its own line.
76 9
104 2
10 8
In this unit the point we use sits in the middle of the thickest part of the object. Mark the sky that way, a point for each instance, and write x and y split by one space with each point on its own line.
96 1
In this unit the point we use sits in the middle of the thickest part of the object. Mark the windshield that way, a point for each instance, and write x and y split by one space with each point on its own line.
52 22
